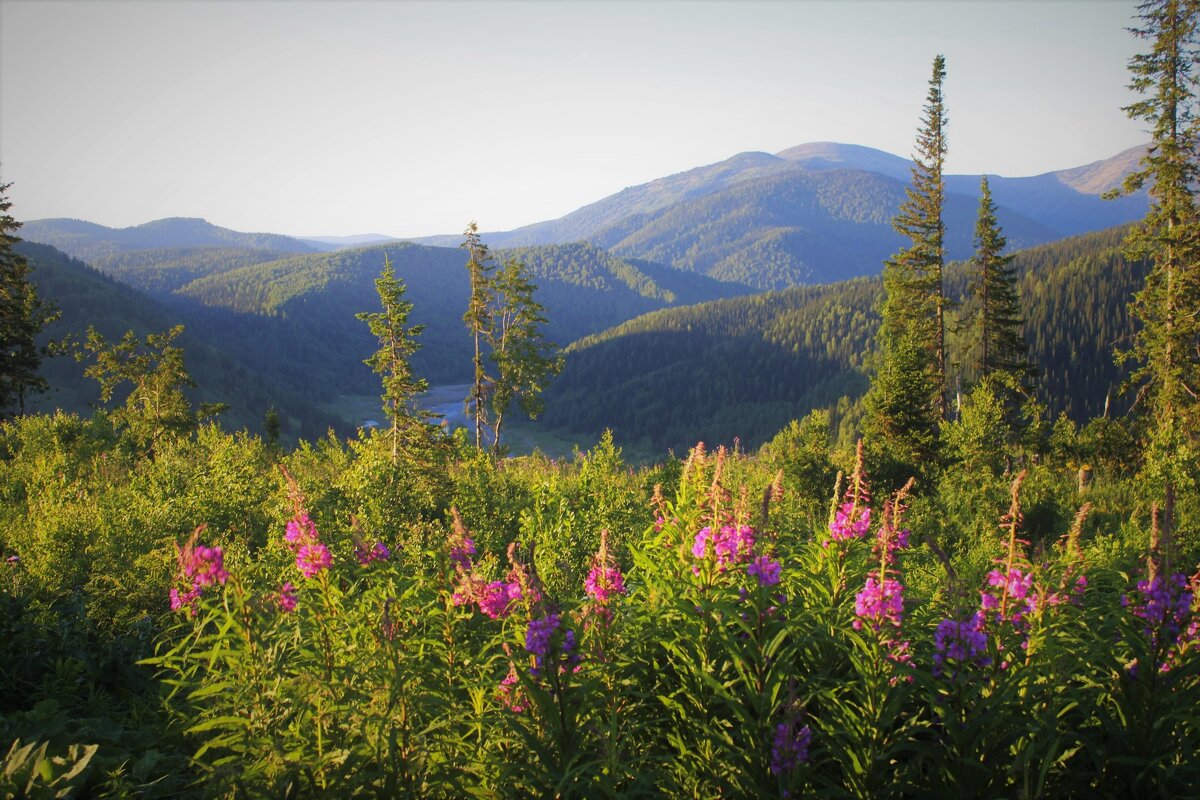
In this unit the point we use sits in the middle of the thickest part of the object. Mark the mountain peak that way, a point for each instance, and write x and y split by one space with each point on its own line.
835 155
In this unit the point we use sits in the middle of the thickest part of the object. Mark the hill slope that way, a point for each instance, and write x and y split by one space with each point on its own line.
744 367
88 298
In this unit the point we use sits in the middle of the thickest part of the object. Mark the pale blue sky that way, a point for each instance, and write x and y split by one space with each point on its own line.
410 118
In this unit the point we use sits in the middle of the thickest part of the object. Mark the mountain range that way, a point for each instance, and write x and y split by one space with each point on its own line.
278 311
820 212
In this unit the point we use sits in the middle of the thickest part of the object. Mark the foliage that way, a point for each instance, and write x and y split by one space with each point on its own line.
23 315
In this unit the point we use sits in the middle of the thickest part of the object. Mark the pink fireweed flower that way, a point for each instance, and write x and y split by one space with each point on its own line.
300 531
312 559
286 599
729 545
604 582
509 693
879 603
789 749
765 570
365 555
497 598
199 566
850 523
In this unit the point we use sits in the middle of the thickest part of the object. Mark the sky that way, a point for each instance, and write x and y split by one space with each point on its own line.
414 118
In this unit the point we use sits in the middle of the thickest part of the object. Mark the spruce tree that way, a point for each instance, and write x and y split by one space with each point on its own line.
397 344
478 319
997 343
907 398
1166 350
23 315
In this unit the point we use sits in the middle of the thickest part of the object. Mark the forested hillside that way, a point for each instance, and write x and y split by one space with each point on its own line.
86 298
743 367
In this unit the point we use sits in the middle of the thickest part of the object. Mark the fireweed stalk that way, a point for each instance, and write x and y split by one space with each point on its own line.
1163 602
880 604
198 567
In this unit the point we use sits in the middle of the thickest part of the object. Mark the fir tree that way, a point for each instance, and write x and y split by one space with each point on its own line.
397 344
907 398
996 342
23 315
1167 348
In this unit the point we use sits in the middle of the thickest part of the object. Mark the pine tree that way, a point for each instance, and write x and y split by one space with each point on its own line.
397 344
524 360
23 315
907 398
1167 348
997 343
478 320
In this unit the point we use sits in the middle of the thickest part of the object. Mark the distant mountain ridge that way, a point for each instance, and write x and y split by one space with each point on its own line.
772 221
89 241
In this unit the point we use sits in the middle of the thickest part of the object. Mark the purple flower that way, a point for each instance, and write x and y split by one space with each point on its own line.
496 599
879 603
460 555
300 531
729 545
960 642
766 570
538 633
789 748
509 693
603 582
286 600
312 559
199 566
850 523
1165 606
366 555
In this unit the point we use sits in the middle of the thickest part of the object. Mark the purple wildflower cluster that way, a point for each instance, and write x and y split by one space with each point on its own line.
300 535
1164 604
509 694
1009 595
880 604
790 747
539 636
960 643
730 544
496 599
377 552
850 522
199 567
286 599
765 570
603 583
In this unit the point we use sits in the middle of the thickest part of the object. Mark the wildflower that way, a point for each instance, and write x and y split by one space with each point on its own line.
789 748
729 545
766 570
850 522
199 566
509 693
286 599
300 531
960 642
312 559
496 598
1164 604
461 554
603 583
365 555
879 603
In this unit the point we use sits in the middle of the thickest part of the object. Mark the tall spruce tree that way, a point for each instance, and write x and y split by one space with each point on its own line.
23 315
1166 350
397 344
907 398
478 319
996 342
